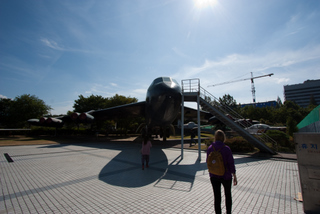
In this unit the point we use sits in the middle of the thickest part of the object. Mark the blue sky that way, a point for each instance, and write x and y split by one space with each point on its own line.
60 49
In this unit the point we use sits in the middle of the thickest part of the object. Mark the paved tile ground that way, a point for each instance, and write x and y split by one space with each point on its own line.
107 178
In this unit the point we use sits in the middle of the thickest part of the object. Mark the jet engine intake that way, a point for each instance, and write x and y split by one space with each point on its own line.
86 118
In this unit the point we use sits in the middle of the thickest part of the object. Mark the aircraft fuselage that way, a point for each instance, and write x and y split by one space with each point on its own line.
163 102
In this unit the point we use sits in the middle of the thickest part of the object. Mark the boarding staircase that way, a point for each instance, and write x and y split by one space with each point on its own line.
192 91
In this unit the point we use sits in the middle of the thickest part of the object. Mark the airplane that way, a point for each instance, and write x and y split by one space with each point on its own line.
160 109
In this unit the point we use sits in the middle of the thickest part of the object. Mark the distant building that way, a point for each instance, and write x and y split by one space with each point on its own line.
262 104
302 93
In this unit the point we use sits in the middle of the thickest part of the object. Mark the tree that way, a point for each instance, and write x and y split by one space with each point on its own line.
5 106
313 101
290 109
291 126
251 112
94 102
16 112
117 100
279 102
228 100
288 113
124 124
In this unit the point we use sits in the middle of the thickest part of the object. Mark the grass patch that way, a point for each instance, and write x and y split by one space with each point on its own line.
22 140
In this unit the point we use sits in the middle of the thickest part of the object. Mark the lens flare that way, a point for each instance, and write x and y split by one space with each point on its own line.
204 3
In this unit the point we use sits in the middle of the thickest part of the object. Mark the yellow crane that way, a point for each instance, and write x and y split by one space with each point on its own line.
253 90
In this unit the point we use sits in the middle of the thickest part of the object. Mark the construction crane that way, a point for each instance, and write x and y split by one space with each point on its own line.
253 90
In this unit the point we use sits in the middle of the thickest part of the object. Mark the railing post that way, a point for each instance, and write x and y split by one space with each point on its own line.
182 120
199 131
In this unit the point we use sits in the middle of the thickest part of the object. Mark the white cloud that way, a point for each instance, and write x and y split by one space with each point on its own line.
231 66
98 89
288 66
52 44
114 84
281 80
139 93
180 53
62 108
3 97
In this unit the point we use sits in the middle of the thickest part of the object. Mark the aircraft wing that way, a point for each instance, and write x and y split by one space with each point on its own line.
117 112
138 109
191 114
123 111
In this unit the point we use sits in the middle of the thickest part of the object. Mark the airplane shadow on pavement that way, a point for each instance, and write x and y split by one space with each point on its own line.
126 170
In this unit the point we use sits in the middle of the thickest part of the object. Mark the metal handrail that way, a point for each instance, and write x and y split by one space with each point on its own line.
190 85
223 108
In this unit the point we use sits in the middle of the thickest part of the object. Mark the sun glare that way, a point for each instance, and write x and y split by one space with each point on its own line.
204 3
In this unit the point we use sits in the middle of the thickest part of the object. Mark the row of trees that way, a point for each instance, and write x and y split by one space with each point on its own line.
96 102
287 113
14 113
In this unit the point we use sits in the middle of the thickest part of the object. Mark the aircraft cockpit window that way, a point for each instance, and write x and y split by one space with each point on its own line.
166 79
175 81
158 80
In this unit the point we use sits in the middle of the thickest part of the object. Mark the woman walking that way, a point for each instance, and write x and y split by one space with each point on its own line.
226 178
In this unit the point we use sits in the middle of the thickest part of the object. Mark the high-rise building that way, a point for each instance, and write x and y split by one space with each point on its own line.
303 93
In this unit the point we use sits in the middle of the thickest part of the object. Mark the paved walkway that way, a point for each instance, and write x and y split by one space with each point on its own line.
107 178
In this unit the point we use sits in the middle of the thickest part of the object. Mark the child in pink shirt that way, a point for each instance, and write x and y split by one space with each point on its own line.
145 152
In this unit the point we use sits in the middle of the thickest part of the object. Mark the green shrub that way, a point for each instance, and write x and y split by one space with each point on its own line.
238 144
291 126
280 137
284 143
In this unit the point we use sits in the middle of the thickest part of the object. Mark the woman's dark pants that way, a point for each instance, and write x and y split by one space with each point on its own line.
216 185
145 158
